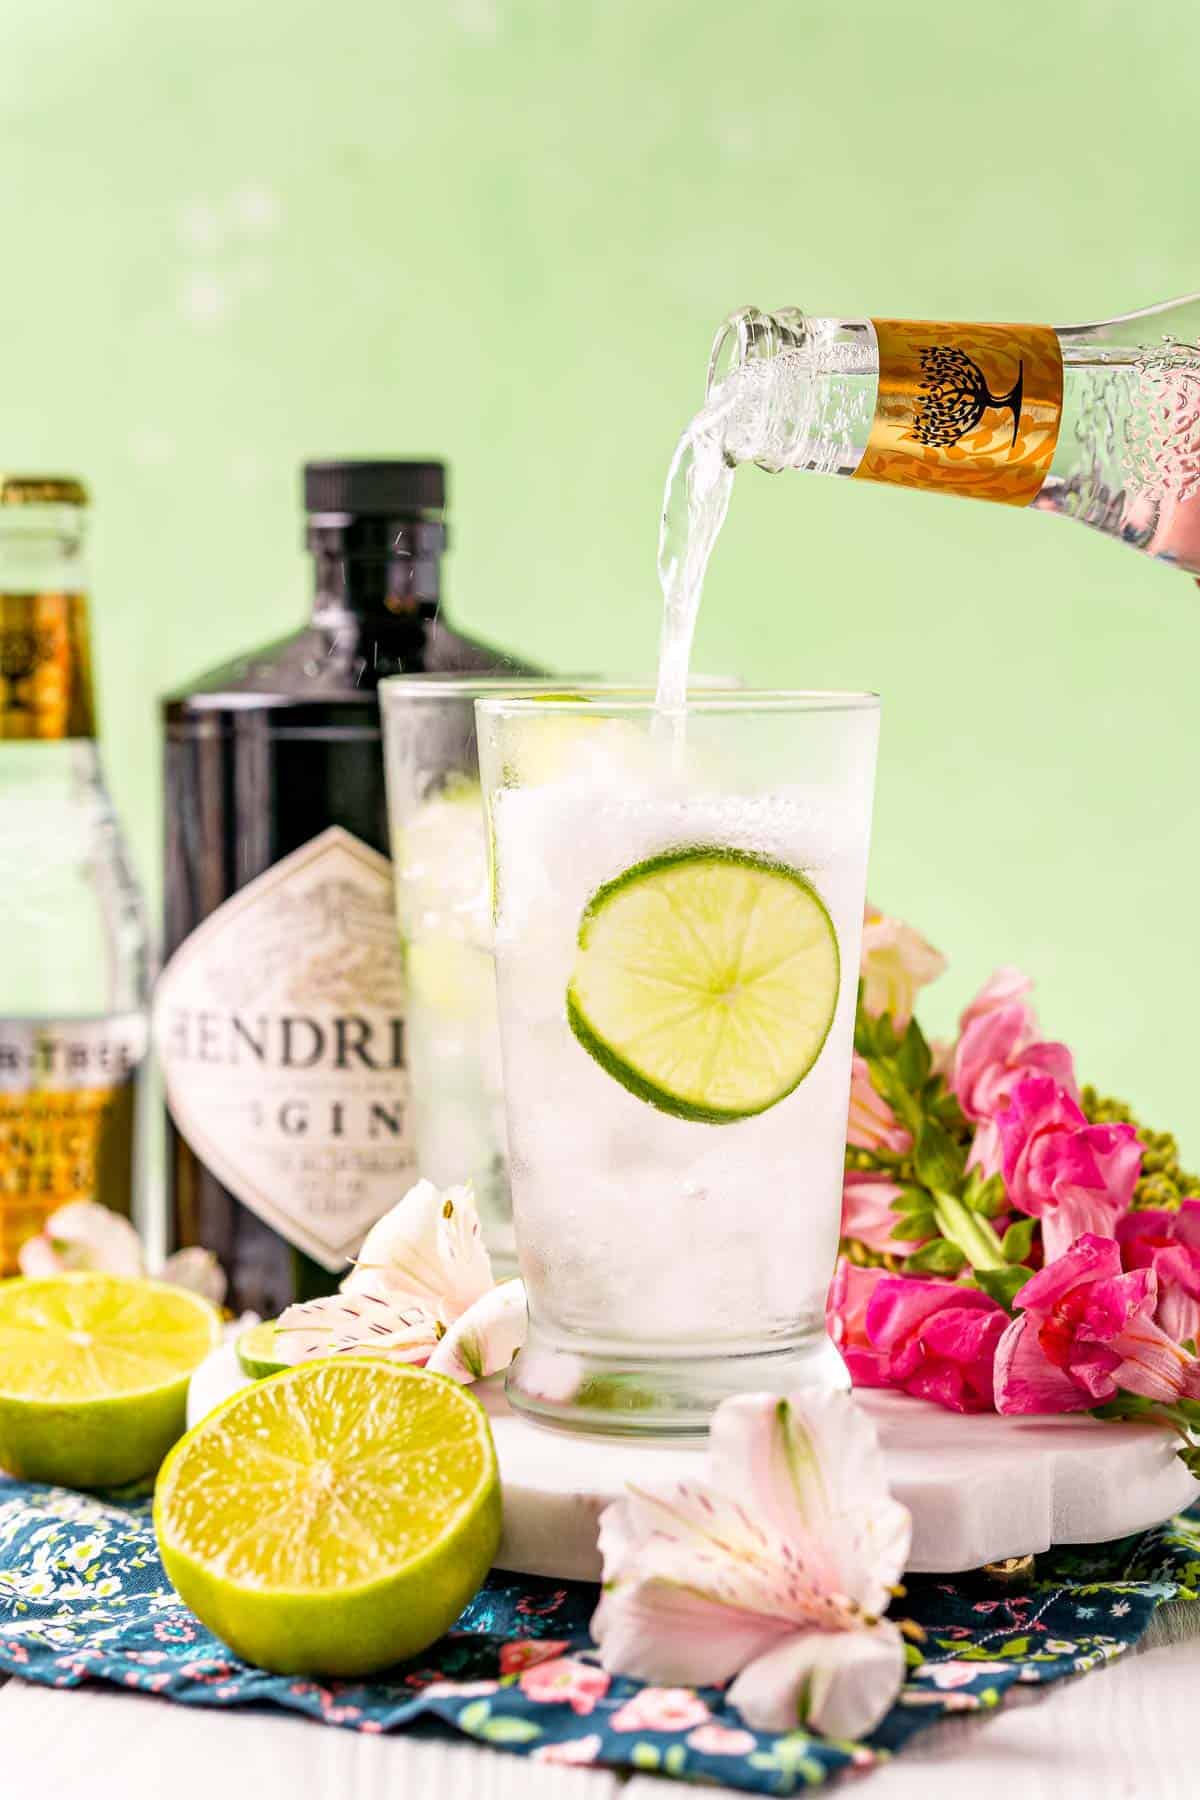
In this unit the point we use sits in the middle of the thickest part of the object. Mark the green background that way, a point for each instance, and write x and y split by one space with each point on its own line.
235 235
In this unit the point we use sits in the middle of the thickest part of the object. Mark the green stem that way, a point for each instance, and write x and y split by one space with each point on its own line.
970 1231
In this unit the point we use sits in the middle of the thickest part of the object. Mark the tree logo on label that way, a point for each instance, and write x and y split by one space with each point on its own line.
954 395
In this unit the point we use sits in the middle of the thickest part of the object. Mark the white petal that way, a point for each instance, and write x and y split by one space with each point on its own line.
198 1271
429 1249
484 1339
85 1235
810 1468
839 1683
355 1322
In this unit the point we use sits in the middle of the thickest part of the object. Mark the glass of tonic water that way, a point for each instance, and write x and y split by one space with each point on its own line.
678 902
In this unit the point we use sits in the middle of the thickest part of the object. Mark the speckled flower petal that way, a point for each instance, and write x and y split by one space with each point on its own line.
362 1321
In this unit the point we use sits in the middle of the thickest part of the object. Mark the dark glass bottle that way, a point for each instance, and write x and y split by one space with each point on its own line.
279 1018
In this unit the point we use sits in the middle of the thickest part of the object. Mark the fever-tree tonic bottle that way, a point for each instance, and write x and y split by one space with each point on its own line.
280 1018
1097 422
74 964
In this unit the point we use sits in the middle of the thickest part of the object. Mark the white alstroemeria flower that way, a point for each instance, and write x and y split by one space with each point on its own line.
427 1250
198 1271
366 1319
422 1268
483 1340
778 1573
83 1235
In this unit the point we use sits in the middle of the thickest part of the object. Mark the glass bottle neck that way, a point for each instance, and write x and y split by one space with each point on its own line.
46 690
383 569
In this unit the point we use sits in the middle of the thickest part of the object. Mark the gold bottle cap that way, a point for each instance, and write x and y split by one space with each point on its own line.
42 490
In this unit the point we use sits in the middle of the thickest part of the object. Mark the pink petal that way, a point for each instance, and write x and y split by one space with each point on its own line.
811 1469
868 1216
1089 1258
1003 987
657 1629
1026 1381
1077 1212
839 1683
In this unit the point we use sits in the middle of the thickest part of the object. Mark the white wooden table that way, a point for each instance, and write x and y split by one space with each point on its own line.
1120 1733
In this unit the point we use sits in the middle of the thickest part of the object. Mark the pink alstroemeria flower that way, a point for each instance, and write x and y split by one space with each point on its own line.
850 1294
872 1125
936 1340
896 961
1073 1176
1086 1332
776 1573
868 1216
1168 1243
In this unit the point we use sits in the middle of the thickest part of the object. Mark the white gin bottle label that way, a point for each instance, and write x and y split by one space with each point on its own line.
279 1024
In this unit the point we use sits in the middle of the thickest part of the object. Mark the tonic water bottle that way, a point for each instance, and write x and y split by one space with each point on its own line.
1097 422
74 964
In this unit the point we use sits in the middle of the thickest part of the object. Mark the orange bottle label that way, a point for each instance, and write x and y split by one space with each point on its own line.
967 409
45 667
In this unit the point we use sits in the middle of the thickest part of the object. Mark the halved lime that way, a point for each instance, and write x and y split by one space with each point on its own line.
93 1375
706 981
334 1518
257 1353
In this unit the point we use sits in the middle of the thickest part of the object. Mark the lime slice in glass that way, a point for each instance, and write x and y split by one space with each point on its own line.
94 1373
705 981
334 1518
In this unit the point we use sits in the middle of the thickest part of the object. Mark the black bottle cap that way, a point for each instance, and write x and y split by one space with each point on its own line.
382 489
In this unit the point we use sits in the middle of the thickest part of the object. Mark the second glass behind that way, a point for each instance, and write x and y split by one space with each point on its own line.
444 912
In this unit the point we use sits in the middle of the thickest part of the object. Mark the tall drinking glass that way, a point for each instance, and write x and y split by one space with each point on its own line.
443 905
678 906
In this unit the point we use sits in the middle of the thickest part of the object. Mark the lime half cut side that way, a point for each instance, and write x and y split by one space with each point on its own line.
334 1518
705 981
94 1374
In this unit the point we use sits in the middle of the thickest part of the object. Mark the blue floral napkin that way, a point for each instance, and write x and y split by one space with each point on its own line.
83 1597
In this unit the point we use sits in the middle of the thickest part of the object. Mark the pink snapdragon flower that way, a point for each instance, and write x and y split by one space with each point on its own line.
1005 987
872 1124
896 961
933 1339
1086 1332
850 1293
1168 1243
868 1215
996 1049
936 1340
1075 1177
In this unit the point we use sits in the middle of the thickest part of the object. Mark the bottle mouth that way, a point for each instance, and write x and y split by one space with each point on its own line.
749 335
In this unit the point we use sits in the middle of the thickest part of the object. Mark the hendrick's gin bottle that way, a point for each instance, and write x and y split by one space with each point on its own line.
279 1018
